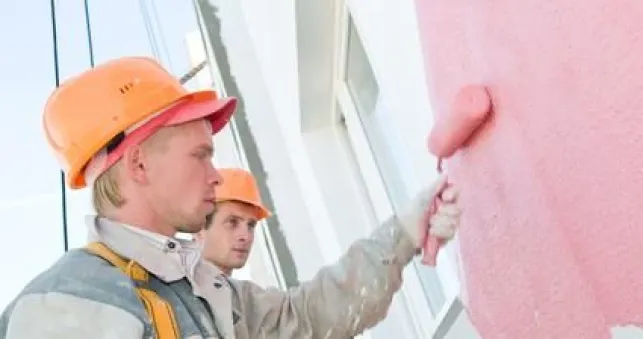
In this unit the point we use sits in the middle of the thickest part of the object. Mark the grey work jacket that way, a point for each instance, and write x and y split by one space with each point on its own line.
83 296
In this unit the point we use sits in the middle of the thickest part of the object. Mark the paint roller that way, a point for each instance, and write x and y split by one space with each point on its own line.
471 108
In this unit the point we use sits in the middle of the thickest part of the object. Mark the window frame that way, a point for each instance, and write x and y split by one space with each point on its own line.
376 188
263 239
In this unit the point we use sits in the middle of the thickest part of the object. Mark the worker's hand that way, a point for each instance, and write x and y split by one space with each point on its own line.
442 224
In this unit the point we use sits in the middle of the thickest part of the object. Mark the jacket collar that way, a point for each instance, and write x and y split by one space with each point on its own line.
169 259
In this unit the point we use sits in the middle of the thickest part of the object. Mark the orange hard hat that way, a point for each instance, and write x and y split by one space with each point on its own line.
239 185
91 112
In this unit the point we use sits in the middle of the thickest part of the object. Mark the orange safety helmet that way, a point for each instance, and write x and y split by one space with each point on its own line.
99 106
239 185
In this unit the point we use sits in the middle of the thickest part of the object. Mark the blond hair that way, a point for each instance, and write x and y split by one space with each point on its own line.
106 193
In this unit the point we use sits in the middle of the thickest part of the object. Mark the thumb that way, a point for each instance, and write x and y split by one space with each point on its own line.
415 216
425 197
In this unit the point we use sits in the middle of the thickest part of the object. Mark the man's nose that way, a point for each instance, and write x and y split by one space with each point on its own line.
244 234
214 177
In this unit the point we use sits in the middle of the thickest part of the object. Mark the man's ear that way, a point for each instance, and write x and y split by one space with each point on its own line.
134 163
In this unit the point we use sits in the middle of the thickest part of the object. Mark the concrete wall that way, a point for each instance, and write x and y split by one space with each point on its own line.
229 153
551 239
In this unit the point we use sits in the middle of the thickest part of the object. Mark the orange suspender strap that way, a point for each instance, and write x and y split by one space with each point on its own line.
158 309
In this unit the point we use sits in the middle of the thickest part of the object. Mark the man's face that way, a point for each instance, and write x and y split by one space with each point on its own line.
229 237
181 177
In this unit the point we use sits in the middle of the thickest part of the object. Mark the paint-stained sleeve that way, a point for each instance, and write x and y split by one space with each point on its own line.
59 315
342 300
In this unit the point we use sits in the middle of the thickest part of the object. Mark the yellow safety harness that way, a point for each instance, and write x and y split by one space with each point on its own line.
159 311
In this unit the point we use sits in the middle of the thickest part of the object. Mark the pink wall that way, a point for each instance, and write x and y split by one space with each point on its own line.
552 236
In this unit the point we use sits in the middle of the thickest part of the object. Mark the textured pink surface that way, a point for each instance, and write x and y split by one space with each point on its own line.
552 236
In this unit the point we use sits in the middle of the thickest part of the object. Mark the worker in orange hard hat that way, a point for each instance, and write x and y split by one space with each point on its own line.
143 143
228 237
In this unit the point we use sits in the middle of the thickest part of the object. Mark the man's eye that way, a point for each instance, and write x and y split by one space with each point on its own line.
233 223
202 155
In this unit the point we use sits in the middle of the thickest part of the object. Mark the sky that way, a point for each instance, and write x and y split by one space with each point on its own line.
30 186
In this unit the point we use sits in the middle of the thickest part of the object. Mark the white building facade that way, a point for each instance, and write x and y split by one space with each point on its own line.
333 121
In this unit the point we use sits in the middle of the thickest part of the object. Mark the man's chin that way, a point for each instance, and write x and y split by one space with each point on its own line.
192 227
238 264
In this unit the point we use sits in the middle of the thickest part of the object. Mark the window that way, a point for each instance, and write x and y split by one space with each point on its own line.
30 199
364 108
359 75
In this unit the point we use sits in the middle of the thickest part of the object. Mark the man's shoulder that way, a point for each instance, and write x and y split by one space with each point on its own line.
80 274
79 271
78 296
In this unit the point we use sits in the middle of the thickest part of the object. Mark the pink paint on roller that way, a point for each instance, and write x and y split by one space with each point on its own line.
470 109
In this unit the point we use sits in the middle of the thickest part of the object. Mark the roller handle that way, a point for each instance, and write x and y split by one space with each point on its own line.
471 109
431 243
